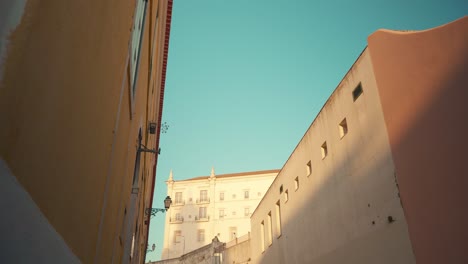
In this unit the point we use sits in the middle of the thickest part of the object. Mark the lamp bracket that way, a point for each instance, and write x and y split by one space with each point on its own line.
143 148
154 211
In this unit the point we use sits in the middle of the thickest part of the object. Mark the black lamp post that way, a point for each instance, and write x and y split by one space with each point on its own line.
154 211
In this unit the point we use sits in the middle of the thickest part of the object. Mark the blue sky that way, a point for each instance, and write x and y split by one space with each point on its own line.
245 78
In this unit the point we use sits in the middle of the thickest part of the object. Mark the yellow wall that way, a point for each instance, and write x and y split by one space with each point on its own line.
65 111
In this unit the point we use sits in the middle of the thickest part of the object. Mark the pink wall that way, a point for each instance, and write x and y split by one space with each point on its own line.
422 78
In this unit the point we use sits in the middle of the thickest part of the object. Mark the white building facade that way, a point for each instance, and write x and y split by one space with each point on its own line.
209 206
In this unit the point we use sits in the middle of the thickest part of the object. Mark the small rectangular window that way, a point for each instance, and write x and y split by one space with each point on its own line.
178 217
203 196
278 219
246 211
357 92
270 235
343 128
324 149
286 196
309 168
221 196
202 212
246 194
296 183
178 198
221 213
262 235
201 235
177 234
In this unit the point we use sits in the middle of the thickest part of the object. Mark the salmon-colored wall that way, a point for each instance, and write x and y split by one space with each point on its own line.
422 80
60 101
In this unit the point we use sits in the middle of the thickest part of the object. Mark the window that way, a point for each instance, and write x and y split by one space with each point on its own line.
135 42
286 196
270 240
178 217
178 198
221 213
203 196
221 196
343 128
177 234
324 150
232 232
202 212
246 194
201 235
309 168
234 212
281 189
296 183
278 219
262 236
357 92
233 196
246 211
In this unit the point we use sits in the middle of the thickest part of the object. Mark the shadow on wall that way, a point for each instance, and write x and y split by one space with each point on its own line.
424 110
344 221
348 209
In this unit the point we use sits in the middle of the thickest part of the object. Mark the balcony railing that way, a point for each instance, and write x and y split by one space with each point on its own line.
178 203
176 219
202 218
203 200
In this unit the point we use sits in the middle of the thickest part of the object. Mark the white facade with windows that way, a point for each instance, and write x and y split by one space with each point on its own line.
209 206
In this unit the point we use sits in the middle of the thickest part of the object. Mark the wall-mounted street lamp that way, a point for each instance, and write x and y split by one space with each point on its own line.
153 247
154 211
152 128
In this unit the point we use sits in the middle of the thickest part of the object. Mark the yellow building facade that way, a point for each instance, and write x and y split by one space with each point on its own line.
81 96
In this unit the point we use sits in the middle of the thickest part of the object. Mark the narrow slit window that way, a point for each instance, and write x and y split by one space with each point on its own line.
281 189
278 219
343 128
262 235
286 196
296 183
270 230
357 92
309 168
324 149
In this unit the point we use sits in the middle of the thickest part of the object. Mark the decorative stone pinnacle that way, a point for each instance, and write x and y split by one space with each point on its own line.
212 172
170 176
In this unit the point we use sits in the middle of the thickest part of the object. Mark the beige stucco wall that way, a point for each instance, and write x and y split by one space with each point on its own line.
69 133
208 254
237 253
339 213
256 183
